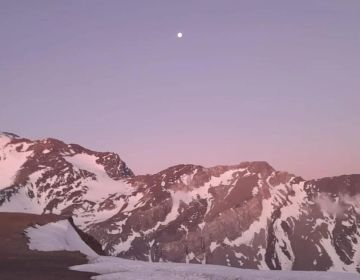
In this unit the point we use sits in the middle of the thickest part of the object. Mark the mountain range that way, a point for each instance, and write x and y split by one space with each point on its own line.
247 215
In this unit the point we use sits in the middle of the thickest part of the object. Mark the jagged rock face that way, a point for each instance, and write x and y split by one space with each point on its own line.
247 215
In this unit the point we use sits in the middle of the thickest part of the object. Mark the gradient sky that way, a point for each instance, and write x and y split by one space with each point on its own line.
250 80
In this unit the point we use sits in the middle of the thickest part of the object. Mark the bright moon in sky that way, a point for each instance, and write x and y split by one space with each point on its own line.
179 35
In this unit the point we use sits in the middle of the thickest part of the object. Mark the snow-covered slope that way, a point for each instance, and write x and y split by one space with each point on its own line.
57 236
61 235
12 157
111 268
247 215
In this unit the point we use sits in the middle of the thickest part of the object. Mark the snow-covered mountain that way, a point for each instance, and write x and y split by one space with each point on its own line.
247 215
61 236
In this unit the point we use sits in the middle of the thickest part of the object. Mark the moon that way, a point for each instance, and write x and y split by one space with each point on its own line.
179 35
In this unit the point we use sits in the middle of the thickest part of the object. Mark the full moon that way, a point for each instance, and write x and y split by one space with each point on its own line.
179 35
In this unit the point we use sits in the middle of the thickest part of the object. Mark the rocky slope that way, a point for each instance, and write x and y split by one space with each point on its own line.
247 215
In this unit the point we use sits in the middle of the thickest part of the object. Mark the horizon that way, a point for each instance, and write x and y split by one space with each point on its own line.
246 81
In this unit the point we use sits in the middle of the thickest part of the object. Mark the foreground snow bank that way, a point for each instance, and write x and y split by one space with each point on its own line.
57 236
61 235
112 268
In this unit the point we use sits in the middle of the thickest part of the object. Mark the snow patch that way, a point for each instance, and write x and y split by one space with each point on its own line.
126 245
213 246
11 161
57 236
20 202
255 191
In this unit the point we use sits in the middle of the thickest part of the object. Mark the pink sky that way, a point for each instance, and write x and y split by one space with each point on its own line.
250 80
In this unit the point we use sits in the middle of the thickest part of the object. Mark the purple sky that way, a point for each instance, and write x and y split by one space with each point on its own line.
250 80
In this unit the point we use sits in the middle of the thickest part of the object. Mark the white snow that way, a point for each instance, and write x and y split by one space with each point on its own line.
46 151
20 202
291 210
112 268
10 161
126 245
346 223
4 140
213 246
134 202
57 236
201 225
201 192
103 186
283 240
